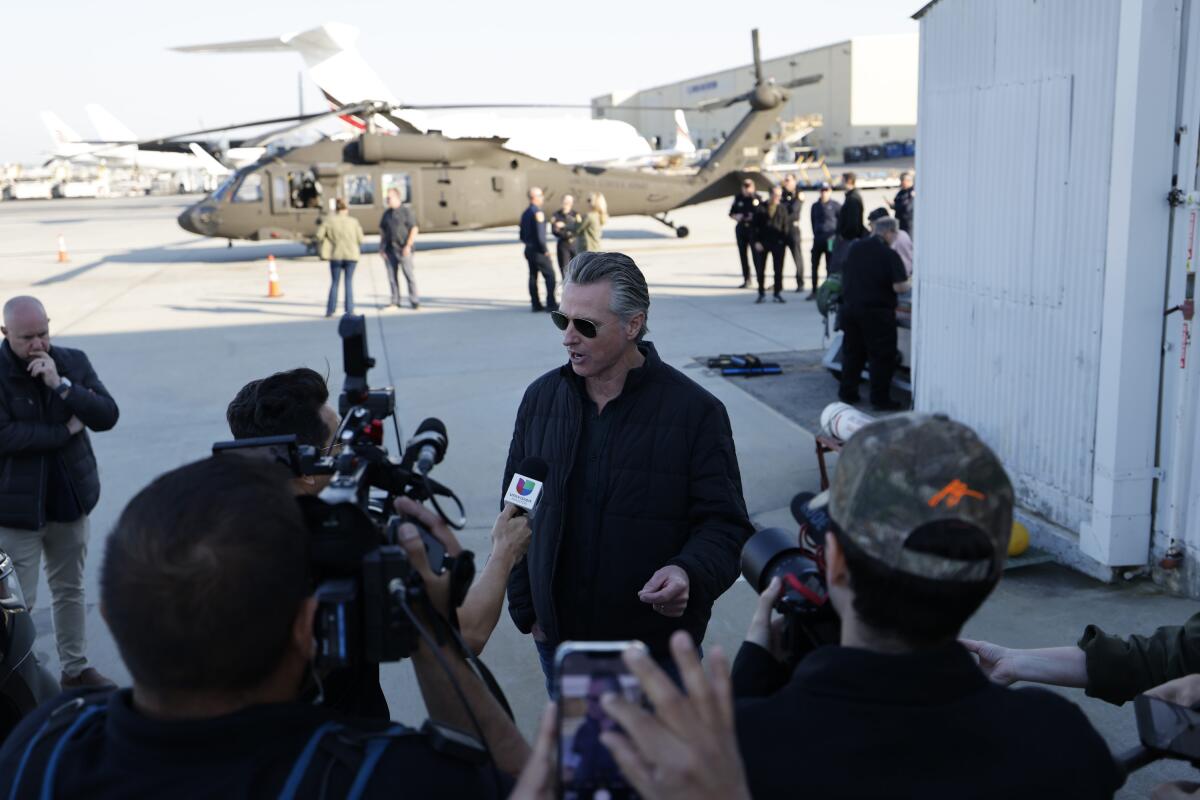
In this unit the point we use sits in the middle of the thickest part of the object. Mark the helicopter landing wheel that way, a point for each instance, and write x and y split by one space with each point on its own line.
682 231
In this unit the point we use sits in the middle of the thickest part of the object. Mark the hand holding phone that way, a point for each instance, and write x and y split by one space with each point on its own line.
584 673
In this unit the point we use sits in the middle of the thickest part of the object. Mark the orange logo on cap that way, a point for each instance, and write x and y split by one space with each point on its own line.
953 493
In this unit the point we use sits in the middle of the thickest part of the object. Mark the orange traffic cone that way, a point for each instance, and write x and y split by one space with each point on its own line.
273 289
63 258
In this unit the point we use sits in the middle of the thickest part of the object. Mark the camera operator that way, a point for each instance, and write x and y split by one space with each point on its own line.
921 515
205 586
296 403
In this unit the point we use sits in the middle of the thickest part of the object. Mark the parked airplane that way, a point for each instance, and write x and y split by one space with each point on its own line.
331 55
115 147
681 155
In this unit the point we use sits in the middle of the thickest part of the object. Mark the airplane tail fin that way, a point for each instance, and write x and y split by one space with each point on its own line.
62 134
109 127
207 162
683 139
330 53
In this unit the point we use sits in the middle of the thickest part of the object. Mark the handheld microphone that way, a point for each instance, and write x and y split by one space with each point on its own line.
525 489
428 445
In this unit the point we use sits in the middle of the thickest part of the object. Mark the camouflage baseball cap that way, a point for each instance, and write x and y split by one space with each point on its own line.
906 471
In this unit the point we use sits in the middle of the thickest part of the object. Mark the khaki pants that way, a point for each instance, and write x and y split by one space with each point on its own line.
65 547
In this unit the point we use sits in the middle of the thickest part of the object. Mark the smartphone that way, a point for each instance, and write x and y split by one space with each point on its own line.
583 673
1167 727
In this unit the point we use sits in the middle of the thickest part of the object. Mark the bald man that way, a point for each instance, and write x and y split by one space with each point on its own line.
49 398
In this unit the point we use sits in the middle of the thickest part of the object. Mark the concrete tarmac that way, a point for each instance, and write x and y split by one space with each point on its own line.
176 324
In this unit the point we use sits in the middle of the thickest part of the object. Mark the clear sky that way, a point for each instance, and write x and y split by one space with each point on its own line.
60 55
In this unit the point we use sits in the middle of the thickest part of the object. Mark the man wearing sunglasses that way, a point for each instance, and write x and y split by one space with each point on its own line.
641 520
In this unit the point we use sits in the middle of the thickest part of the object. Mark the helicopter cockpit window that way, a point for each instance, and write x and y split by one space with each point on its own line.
358 190
400 181
251 189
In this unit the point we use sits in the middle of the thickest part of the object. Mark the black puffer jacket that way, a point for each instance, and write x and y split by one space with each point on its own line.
33 430
673 496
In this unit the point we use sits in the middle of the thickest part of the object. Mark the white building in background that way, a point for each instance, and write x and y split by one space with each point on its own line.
1056 224
868 95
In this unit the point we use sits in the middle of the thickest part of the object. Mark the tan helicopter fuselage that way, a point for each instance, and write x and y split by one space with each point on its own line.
452 185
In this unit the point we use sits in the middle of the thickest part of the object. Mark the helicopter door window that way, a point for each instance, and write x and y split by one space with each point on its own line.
401 181
306 191
359 190
251 189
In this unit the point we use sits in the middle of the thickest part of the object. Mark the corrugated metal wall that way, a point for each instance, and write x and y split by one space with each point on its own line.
1016 102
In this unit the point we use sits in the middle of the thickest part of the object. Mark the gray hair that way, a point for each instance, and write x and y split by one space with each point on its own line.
630 295
884 225
534 191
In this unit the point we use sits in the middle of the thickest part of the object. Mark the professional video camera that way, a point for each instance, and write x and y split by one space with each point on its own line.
367 591
809 620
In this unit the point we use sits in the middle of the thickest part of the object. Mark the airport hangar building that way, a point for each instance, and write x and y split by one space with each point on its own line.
867 96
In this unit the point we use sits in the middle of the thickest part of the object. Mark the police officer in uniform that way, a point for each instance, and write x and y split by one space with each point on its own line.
533 234
872 277
745 206
794 204
564 225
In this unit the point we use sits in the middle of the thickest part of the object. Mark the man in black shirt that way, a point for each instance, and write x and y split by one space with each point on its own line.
871 279
742 212
206 588
921 515
795 205
824 218
564 225
50 397
850 218
641 522
772 223
903 204
397 233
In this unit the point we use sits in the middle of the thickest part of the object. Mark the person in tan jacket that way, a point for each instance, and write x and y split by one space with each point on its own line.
587 236
340 241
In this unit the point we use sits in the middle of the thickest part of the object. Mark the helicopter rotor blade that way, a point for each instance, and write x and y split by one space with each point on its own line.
235 126
758 70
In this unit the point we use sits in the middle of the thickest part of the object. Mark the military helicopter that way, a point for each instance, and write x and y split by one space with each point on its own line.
458 184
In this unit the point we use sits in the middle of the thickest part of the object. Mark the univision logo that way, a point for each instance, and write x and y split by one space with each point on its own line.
526 487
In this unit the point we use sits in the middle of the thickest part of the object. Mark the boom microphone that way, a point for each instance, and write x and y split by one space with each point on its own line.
428 445
525 489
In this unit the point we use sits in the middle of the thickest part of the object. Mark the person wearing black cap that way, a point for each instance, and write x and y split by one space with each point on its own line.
871 279
921 515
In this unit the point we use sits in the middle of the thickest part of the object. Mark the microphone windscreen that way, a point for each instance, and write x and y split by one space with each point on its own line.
534 467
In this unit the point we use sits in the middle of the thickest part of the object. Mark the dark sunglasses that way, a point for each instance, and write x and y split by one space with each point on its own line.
585 327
